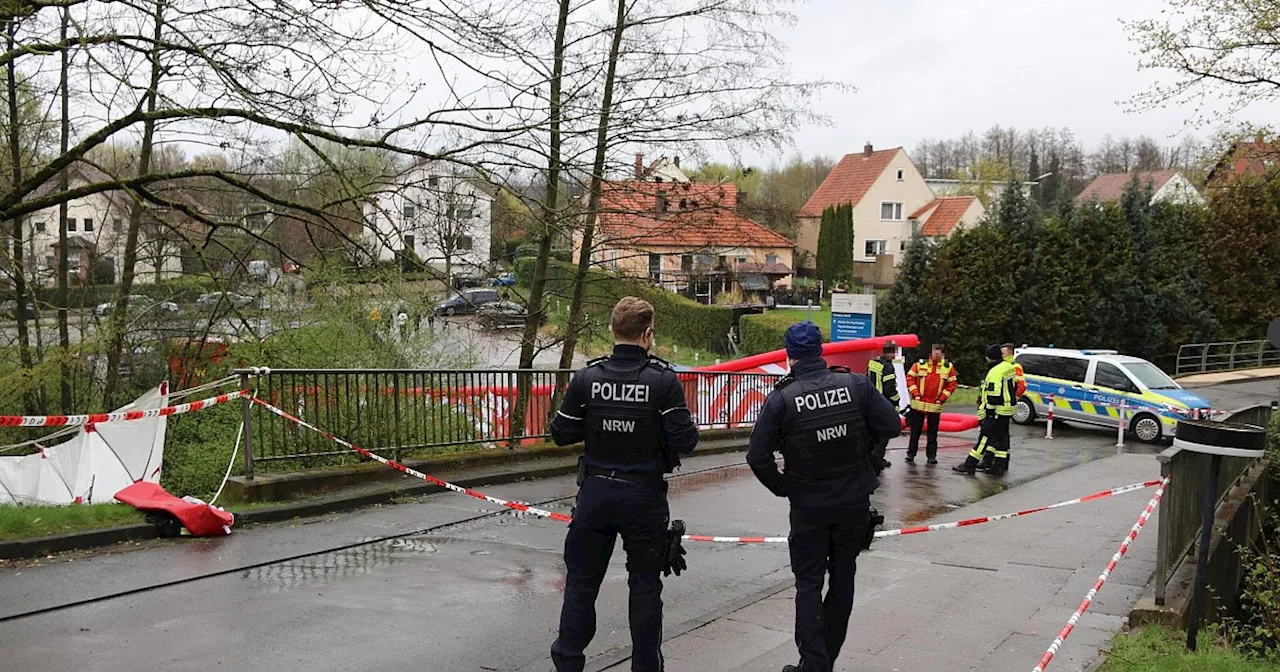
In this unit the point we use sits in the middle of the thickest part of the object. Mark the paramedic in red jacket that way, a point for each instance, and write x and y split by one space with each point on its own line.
930 383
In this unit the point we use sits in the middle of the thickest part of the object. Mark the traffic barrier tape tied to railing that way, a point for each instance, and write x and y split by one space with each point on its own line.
524 508
517 506
121 416
1102 578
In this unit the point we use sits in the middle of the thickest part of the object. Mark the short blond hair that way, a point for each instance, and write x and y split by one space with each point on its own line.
631 316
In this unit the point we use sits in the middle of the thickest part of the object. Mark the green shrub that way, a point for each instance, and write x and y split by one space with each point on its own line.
197 450
763 333
524 270
678 319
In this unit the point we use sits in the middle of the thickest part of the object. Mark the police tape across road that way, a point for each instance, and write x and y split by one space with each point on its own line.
525 508
903 531
1102 578
120 416
516 506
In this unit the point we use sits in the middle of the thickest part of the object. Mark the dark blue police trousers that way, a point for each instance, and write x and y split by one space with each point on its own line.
607 508
825 540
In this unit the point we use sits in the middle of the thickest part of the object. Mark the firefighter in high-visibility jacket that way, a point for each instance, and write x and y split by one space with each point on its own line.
930 383
997 401
1019 377
884 379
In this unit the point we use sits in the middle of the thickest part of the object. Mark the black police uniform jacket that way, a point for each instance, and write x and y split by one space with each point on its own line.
824 423
630 411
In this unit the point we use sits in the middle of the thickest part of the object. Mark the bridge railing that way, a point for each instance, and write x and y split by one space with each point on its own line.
1226 356
1181 507
405 411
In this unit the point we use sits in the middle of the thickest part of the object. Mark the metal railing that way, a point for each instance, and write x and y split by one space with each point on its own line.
1181 506
1208 357
405 411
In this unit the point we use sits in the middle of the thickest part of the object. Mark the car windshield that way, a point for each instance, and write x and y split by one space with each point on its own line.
1151 376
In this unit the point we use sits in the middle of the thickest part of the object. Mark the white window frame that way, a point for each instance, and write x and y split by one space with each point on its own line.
883 247
895 211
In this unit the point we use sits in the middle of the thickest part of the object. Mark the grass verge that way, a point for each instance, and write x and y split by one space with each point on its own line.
1158 649
28 522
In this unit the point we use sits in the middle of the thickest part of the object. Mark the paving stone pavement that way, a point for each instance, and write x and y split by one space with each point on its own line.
990 597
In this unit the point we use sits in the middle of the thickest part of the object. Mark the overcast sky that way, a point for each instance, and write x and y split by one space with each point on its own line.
935 69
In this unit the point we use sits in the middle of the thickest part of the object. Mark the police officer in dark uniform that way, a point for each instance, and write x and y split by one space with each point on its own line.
825 422
630 411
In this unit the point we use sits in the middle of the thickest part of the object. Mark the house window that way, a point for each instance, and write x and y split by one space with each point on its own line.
891 212
88 225
686 262
465 213
663 204
48 261
874 247
702 262
899 175
409 210
770 259
655 266
433 181
462 244
684 204
408 241
902 246
71 224
256 221
116 225
38 227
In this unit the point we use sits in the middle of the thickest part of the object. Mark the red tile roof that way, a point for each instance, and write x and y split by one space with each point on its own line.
1111 187
698 216
849 181
944 214
1247 157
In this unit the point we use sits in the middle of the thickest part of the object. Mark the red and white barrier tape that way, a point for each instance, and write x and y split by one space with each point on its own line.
1102 578
946 526
98 418
517 506
688 537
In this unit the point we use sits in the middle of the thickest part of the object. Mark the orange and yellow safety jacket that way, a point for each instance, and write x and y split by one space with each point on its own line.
930 384
1019 378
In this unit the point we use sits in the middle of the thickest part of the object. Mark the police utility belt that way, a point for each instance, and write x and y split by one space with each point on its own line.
649 478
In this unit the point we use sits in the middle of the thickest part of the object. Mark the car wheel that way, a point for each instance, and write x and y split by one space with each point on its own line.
448 312
1147 428
1025 413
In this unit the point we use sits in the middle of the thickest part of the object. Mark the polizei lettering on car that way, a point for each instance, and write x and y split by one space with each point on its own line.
631 392
823 399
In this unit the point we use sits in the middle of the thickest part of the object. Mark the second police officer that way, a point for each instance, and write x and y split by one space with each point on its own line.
824 422
629 410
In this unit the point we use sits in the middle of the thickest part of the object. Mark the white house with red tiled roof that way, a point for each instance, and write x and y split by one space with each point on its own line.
941 216
1166 185
890 199
685 235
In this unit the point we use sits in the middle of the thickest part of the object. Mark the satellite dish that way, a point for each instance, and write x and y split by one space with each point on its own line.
1273 333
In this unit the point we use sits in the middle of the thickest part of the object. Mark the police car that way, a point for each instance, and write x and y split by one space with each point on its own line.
1089 385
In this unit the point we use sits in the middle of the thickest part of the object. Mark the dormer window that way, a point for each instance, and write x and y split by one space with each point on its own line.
663 204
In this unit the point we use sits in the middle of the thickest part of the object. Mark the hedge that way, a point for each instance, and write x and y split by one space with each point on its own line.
181 290
763 333
678 319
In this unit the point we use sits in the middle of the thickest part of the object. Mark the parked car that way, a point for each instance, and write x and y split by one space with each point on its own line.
139 303
502 314
504 280
258 268
212 299
1089 385
466 302
9 308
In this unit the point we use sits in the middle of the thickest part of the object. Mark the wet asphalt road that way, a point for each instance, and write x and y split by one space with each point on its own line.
480 592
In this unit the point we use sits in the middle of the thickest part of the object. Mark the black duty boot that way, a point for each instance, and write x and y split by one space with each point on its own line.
933 461
911 459
969 466
790 668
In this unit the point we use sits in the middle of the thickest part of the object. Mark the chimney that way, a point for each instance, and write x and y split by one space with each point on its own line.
866 151
676 160
639 166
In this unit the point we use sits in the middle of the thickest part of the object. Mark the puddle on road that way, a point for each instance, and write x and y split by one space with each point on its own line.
329 568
